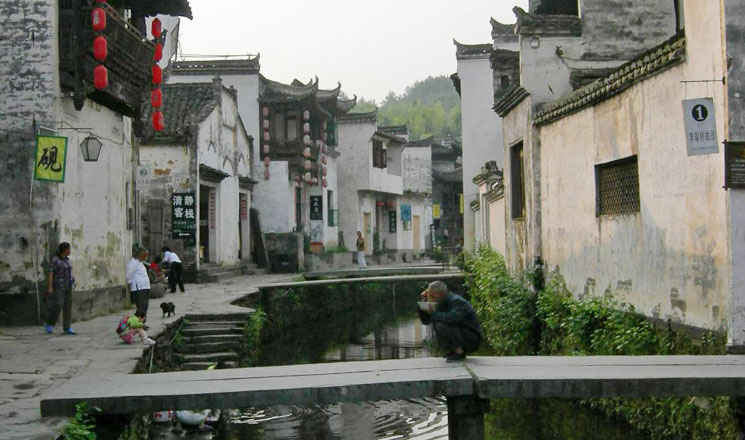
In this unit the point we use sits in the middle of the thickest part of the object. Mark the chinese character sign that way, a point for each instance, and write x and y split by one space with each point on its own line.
405 213
51 155
183 216
316 207
700 126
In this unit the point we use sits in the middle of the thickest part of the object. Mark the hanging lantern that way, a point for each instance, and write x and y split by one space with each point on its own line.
306 115
306 139
265 111
315 181
157 74
100 48
156 98
158 54
156 28
100 77
306 153
325 182
266 173
265 124
379 204
158 121
100 1
98 19
391 205
324 171
307 165
267 138
267 161
306 128
307 177
266 148
323 160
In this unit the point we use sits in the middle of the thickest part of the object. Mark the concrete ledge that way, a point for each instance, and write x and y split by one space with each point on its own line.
380 279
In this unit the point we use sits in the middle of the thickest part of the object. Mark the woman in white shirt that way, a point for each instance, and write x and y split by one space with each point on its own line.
174 269
139 282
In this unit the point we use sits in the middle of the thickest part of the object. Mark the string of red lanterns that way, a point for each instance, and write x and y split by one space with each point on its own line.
266 138
100 46
156 94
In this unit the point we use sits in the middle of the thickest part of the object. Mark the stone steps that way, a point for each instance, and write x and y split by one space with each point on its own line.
196 366
209 347
190 332
232 337
209 357
227 317
214 324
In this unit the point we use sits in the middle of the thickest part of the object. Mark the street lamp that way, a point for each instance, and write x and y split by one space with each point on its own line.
91 148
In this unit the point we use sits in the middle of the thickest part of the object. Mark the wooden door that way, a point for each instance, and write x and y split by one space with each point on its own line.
155 223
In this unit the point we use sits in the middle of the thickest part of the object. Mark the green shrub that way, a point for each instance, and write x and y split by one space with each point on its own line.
82 425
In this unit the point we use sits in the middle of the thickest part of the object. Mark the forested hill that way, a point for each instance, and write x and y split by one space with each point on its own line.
431 107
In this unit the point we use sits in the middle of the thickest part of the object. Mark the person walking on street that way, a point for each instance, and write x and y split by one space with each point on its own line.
361 251
457 329
139 282
59 290
174 269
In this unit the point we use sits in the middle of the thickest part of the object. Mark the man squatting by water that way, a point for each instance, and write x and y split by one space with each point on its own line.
457 329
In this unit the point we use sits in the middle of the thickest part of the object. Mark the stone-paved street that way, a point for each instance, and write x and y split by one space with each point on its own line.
33 362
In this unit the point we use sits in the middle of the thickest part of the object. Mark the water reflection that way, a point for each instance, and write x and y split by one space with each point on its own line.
408 340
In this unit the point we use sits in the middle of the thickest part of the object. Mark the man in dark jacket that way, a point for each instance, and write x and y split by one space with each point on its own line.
457 329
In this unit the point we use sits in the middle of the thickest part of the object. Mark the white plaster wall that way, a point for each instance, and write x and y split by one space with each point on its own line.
274 198
394 165
353 173
228 237
671 259
422 207
93 202
247 86
482 131
417 169
496 226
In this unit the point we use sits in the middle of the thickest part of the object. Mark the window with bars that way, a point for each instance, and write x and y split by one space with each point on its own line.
379 156
617 186
517 182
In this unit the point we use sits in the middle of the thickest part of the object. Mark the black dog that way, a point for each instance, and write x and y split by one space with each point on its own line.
168 308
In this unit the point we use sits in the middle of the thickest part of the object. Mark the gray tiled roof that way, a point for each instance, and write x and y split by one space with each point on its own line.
184 106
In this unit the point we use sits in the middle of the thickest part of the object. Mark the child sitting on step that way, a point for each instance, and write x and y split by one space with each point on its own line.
133 325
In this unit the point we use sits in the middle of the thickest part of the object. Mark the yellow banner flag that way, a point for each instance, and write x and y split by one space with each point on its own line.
51 156
436 211
461 203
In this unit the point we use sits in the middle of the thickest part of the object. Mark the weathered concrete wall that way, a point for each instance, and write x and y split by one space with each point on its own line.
417 169
496 225
522 239
670 260
482 131
354 164
735 131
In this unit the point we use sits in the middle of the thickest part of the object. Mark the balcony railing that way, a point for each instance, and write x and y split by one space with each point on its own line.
129 61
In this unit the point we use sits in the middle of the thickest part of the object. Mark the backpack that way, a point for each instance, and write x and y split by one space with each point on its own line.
122 324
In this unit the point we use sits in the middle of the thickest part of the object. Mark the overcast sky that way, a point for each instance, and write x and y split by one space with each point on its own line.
372 47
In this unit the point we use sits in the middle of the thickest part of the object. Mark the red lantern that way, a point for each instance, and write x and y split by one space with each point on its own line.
379 204
158 121
307 165
98 19
325 182
156 98
100 48
267 138
156 28
323 160
266 148
306 152
266 161
100 1
100 77
323 171
266 174
158 55
157 74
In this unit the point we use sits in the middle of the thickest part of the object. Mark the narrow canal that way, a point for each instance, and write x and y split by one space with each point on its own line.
376 322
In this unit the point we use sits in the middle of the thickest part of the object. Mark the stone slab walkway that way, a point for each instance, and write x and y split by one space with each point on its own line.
33 363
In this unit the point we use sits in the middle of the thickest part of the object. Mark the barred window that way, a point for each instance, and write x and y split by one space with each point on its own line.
517 172
617 186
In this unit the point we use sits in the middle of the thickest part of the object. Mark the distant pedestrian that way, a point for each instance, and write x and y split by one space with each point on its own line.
59 290
361 251
174 269
138 280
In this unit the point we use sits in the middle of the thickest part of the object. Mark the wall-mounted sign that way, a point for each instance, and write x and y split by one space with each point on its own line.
405 213
143 177
316 207
183 216
734 164
213 209
244 207
392 221
700 126
51 157
436 211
